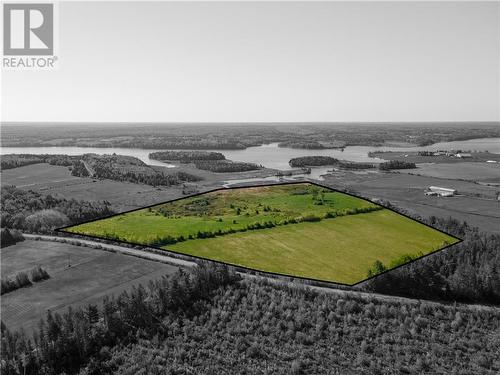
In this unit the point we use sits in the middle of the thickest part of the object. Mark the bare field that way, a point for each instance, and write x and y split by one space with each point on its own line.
477 205
482 172
414 157
93 274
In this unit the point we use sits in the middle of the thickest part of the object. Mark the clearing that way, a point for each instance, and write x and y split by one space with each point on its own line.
299 230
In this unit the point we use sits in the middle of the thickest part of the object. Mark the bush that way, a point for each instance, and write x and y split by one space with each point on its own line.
8 285
39 274
22 279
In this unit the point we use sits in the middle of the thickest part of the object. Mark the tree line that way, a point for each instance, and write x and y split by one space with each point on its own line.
10 161
30 211
224 166
468 271
168 239
312 161
396 164
186 156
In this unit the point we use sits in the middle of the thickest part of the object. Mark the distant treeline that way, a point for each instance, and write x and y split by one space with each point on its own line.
468 271
312 161
312 145
33 212
10 161
211 322
225 137
186 156
396 164
309 145
225 166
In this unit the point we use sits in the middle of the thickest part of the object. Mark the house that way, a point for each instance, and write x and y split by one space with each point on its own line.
440 191
463 155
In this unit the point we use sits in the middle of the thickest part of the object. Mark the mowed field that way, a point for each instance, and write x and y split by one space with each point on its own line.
93 274
339 250
295 229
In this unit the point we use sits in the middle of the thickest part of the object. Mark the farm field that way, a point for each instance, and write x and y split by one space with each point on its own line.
483 172
93 274
298 229
476 204
340 250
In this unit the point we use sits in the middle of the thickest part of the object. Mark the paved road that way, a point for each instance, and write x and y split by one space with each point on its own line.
166 258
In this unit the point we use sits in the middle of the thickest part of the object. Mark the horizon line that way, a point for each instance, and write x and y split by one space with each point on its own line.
208 123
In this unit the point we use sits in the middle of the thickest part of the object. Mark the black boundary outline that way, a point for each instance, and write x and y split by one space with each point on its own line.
459 240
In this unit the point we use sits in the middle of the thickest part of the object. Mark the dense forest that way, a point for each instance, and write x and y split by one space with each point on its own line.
222 166
33 212
468 271
396 164
212 322
186 156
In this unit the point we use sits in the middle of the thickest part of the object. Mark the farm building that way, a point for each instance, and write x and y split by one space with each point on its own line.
440 191
463 155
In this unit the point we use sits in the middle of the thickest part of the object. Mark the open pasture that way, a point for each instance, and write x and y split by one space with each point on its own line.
339 250
299 229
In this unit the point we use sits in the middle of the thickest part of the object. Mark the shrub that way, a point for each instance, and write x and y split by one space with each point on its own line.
39 274
22 279
8 285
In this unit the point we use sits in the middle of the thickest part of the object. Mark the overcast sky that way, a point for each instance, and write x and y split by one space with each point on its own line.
289 62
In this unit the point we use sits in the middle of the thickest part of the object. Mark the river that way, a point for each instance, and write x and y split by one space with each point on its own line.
270 155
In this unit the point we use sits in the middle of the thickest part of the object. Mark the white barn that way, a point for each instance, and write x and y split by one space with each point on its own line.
440 191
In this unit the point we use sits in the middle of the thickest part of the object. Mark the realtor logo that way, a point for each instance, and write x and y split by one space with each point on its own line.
28 29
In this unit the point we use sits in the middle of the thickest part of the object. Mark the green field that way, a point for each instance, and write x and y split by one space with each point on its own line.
296 229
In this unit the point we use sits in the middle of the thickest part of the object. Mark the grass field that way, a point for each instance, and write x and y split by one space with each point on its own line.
220 210
340 250
295 229
93 274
